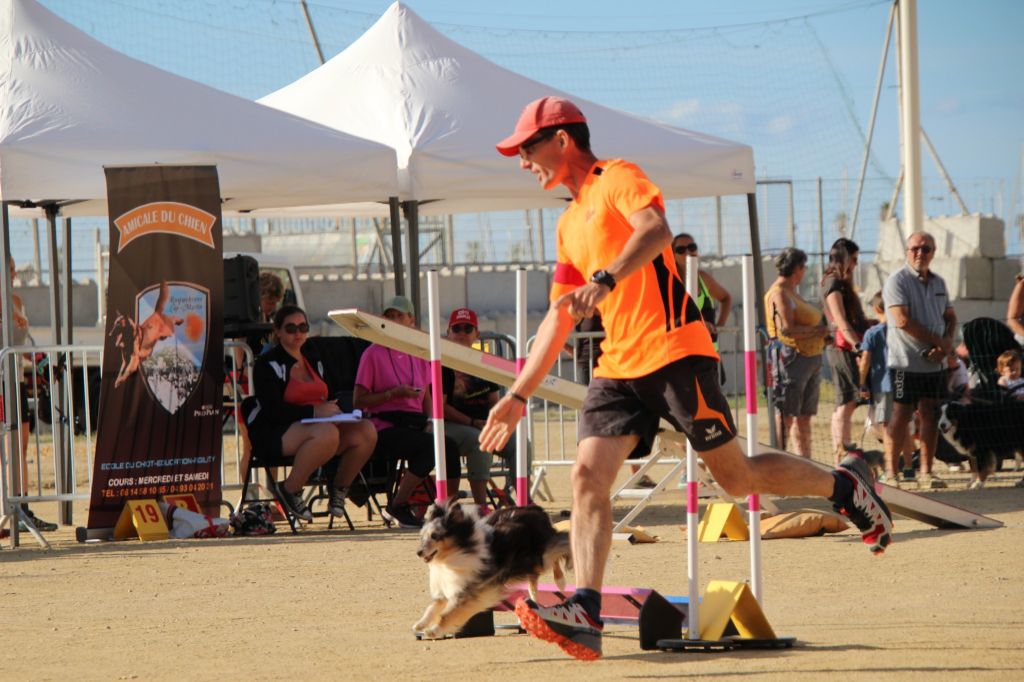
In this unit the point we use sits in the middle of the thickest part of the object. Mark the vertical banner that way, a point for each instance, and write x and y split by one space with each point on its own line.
159 430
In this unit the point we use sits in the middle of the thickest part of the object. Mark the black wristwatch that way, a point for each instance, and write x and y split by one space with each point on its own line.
604 277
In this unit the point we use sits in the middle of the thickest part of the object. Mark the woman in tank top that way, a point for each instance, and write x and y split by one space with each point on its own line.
846 315
797 327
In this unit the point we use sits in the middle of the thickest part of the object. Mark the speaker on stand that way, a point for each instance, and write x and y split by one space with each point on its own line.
242 314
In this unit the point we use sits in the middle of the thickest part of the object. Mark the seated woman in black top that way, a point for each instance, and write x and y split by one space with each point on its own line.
288 381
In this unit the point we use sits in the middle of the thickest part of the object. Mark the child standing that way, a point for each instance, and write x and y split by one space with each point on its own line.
876 384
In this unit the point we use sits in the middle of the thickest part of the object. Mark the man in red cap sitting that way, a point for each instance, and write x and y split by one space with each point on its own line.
658 362
468 399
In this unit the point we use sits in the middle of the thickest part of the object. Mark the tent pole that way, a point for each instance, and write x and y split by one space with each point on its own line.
412 217
65 513
9 459
755 248
57 395
396 245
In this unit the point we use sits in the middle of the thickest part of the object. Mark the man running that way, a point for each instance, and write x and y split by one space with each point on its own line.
658 362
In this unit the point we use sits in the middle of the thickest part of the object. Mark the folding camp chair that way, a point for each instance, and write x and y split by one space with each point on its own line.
259 459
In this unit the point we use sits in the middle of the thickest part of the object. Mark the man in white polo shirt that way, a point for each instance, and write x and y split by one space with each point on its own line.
919 339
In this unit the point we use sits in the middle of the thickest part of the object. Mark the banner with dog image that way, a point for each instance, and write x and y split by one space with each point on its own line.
159 427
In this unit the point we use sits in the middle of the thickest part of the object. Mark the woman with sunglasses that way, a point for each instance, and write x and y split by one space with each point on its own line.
708 288
845 314
289 385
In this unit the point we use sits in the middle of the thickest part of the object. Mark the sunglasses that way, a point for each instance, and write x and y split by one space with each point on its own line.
536 140
463 328
691 247
292 328
923 250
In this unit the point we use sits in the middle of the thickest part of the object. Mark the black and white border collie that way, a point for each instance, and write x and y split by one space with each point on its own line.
472 559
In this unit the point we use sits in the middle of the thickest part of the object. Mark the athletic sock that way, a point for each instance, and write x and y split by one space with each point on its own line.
843 488
590 600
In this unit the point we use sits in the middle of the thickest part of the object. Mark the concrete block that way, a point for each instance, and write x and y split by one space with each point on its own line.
968 236
1004 274
323 296
891 241
969 278
967 310
495 291
243 243
84 305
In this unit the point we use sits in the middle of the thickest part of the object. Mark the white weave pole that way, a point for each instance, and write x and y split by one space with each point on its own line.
750 372
522 466
437 404
693 602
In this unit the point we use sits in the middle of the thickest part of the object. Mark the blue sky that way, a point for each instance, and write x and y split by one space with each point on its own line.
972 100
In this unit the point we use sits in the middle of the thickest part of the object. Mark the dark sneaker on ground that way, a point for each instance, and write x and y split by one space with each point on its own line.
402 515
646 482
566 625
294 503
336 501
28 517
863 506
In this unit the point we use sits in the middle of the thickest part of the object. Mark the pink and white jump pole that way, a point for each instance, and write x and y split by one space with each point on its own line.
693 602
750 304
437 404
522 466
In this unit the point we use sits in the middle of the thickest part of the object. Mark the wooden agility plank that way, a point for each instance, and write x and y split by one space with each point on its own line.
469 360
915 506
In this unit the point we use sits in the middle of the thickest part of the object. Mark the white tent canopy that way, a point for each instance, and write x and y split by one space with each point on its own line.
442 108
69 106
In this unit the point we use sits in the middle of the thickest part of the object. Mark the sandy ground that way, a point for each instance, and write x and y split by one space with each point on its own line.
940 604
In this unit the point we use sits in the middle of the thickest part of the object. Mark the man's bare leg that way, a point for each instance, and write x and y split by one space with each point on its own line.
768 473
929 433
896 436
850 488
802 435
598 461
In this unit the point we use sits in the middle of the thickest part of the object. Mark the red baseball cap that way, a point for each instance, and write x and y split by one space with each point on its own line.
460 315
541 113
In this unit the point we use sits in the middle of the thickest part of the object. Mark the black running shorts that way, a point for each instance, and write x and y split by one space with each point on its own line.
910 387
686 393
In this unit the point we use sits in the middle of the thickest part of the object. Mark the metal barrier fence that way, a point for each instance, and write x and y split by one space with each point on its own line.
46 454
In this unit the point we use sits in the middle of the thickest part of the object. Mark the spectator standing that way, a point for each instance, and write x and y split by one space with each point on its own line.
797 326
876 384
20 482
708 289
919 337
846 316
1015 310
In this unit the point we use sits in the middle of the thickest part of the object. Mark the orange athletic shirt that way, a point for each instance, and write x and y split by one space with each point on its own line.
644 320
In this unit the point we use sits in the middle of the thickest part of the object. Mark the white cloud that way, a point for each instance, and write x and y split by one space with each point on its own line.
948 105
780 125
682 109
